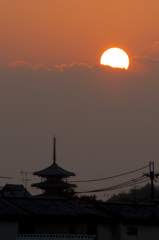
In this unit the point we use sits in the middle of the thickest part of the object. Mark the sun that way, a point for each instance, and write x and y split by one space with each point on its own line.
116 58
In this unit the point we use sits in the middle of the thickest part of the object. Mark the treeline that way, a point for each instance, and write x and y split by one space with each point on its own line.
142 194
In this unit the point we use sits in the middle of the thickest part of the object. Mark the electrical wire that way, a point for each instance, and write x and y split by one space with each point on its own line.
119 175
138 180
6 177
119 186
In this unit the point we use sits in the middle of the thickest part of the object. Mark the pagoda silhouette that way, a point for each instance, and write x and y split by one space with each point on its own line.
54 179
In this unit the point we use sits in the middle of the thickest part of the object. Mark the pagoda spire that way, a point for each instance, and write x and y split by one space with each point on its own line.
54 149
54 182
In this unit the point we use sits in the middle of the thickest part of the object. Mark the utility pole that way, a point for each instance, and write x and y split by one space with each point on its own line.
152 175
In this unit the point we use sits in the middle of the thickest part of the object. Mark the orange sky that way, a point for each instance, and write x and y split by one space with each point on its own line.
54 32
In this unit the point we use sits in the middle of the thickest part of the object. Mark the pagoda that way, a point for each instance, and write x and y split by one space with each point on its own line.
54 179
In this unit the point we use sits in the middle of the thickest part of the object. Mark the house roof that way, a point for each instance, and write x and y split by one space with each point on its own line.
100 212
14 190
54 170
64 208
50 206
53 237
132 211
7 208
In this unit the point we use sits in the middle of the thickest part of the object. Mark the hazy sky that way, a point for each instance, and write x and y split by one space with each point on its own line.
105 120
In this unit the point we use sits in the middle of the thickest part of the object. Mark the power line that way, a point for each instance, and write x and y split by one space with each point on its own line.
6 177
128 185
119 175
119 186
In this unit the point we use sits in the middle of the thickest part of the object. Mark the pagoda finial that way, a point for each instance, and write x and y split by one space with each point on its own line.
54 149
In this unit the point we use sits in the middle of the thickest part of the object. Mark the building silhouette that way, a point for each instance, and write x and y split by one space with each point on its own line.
14 190
54 179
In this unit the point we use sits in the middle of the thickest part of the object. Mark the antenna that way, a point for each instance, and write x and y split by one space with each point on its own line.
25 178
54 149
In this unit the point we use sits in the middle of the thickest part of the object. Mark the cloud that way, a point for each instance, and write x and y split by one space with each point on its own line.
152 52
61 67
139 64
56 68
155 46
20 63
146 57
144 63
42 67
135 66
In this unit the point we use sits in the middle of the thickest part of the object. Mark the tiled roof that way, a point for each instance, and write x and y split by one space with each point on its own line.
132 211
100 212
54 170
7 208
14 190
59 208
50 206
54 237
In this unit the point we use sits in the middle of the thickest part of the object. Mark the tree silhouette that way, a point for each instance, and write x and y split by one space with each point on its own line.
142 194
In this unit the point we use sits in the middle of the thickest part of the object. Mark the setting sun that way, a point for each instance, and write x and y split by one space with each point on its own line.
115 57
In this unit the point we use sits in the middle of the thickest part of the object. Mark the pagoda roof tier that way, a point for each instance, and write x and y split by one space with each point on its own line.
60 185
54 170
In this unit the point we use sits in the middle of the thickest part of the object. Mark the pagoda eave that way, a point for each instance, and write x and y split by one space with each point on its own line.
45 185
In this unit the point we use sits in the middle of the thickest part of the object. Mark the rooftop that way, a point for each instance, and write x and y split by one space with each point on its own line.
54 170
14 190
49 206
134 211
58 185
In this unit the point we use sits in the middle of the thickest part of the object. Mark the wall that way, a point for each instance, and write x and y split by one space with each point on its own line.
60 228
104 232
8 230
117 231
48 228
148 232
144 232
